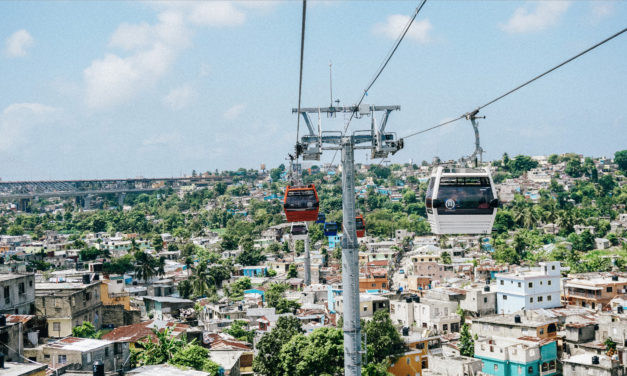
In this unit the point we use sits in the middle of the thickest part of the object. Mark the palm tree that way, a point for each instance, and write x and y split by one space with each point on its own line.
188 264
144 266
202 282
161 266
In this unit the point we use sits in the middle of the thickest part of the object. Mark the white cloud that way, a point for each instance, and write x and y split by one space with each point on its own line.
162 139
207 13
601 10
234 112
18 43
394 25
114 79
18 119
178 98
544 15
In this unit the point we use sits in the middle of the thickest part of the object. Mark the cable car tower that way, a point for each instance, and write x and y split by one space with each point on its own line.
381 144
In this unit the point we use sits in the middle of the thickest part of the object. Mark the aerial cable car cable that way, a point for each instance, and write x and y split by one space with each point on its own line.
472 113
383 65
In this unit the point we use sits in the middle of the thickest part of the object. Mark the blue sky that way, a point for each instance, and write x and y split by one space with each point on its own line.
123 89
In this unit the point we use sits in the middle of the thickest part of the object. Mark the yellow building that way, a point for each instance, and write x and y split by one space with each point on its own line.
112 293
413 361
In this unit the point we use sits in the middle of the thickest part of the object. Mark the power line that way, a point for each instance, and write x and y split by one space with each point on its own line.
521 85
383 65
300 79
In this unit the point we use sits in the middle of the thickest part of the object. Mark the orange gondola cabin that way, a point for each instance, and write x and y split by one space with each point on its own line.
360 226
301 203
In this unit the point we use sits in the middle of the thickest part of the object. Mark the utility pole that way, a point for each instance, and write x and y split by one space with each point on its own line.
381 144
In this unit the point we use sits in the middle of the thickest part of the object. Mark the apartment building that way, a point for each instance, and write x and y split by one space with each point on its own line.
535 288
530 356
594 291
68 304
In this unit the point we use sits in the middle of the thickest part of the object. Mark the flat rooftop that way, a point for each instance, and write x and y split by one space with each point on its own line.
79 344
509 320
22 369
7 277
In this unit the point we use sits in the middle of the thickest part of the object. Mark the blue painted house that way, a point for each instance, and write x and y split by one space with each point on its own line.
257 291
335 241
254 271
528 356
333 293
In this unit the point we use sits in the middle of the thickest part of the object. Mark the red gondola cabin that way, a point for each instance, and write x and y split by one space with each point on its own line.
360 226
301 203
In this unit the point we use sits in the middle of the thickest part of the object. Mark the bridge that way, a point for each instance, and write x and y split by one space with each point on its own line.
24 191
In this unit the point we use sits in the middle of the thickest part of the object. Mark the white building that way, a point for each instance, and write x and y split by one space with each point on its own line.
536 288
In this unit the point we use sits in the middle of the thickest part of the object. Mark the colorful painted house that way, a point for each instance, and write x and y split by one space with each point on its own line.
529 356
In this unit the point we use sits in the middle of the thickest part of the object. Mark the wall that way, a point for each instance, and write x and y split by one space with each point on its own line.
18 303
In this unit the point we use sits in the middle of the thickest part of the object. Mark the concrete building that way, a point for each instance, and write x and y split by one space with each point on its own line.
67 305
11 340
515 325
529 289
529 356
24 369
594 291
591 365
426 315
368 305
416 359
17 294
158 306
81 353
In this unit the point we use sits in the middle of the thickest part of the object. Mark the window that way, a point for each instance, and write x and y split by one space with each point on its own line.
496 367
504 297
548 282
62 359
485 300
502 282
106 352
56 326
22 288
541 331
408 360
88 357
552 267
7 295
540 283
520 370
424 364
530 370
519 284
548 298
539 299
530 284
365 309
531 300
609 289
30 283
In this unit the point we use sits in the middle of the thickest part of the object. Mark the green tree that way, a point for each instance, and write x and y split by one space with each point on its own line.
292 272
238 330
15 230
144 266
195 357
86 330
446 258
268 362
466 343
384 340
319 353
620 158
157 243
553 159
157 350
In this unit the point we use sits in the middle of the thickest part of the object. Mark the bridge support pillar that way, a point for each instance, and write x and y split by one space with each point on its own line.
87 202
121 197
23 204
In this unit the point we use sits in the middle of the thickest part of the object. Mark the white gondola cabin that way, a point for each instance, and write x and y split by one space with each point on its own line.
461 201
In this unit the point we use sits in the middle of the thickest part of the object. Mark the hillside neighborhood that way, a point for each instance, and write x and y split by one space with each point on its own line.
208 278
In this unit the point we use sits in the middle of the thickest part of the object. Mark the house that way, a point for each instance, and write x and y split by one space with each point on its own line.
158 306
143 331
529 356
529 289
368 305
165 370
479 300
430 315
254 271
441 365
416 359
593 290
81 353
516 325
11 341
587 364
17 294
602 243
68 304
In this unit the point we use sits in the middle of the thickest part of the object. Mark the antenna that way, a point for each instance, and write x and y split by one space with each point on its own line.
331 82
